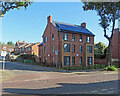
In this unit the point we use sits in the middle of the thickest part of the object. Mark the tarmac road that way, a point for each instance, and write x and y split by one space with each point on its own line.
31 79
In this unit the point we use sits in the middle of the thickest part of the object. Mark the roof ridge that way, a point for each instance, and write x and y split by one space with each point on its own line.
65 23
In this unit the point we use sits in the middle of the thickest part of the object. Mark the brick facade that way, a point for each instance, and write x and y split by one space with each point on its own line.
48 54
23 47
116 44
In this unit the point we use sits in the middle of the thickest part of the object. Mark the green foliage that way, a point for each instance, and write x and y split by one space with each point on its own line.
96 66
12 4
99 48
10 43
111 68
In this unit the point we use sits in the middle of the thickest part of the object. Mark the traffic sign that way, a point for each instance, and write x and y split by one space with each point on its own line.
4 48
3 53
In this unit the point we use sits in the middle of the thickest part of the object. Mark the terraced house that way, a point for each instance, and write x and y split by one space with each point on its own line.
74 44
23 47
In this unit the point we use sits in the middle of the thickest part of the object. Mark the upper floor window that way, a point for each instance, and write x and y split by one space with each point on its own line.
73 48
80 48
65 36
73 37
66 47
52 48
80 38
45 49
29 48
52 37
45 39
88 39
89 49
26 49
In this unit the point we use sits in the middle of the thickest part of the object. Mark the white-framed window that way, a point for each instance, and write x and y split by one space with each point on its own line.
88 39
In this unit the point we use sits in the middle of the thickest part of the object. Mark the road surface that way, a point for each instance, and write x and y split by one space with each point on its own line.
32 79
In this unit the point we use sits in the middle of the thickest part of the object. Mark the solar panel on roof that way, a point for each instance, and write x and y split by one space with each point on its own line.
74 28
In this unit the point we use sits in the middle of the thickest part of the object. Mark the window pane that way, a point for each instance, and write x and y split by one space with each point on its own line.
73 48
88 39
66 47
80 49
73 60
73 37
66 60
80 38
52 37
80 60
89 49
65 36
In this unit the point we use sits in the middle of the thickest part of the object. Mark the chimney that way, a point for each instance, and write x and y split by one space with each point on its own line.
23 41
18 40
49 18
83 24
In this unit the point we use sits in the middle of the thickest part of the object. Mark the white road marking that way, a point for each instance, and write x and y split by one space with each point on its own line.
94 91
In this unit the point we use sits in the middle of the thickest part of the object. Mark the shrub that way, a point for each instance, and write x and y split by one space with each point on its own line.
112 68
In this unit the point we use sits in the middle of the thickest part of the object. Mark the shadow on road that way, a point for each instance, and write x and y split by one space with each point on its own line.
109 87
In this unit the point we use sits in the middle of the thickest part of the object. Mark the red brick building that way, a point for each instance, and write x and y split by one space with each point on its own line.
116 45
74 44
31 48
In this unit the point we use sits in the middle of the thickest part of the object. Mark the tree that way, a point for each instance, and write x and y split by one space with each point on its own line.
10 43
109 13
100 47
12 4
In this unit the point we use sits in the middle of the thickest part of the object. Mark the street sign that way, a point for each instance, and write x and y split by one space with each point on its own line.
3 53
4 48
56 52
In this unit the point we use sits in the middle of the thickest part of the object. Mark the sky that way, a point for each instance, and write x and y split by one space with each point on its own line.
29 25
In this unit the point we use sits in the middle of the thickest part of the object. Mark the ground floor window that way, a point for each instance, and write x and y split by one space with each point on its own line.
52 59
80 60
73 60
66 60
45 59
89 60
40 59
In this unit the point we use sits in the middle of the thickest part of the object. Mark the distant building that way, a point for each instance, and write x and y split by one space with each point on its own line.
116 45
73 43
31 48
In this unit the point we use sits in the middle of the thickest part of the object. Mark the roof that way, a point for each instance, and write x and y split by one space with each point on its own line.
71 28
40 44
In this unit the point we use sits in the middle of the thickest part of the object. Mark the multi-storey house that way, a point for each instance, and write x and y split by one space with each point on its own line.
67 44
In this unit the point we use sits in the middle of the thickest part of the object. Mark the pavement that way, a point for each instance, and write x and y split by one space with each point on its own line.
32 79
